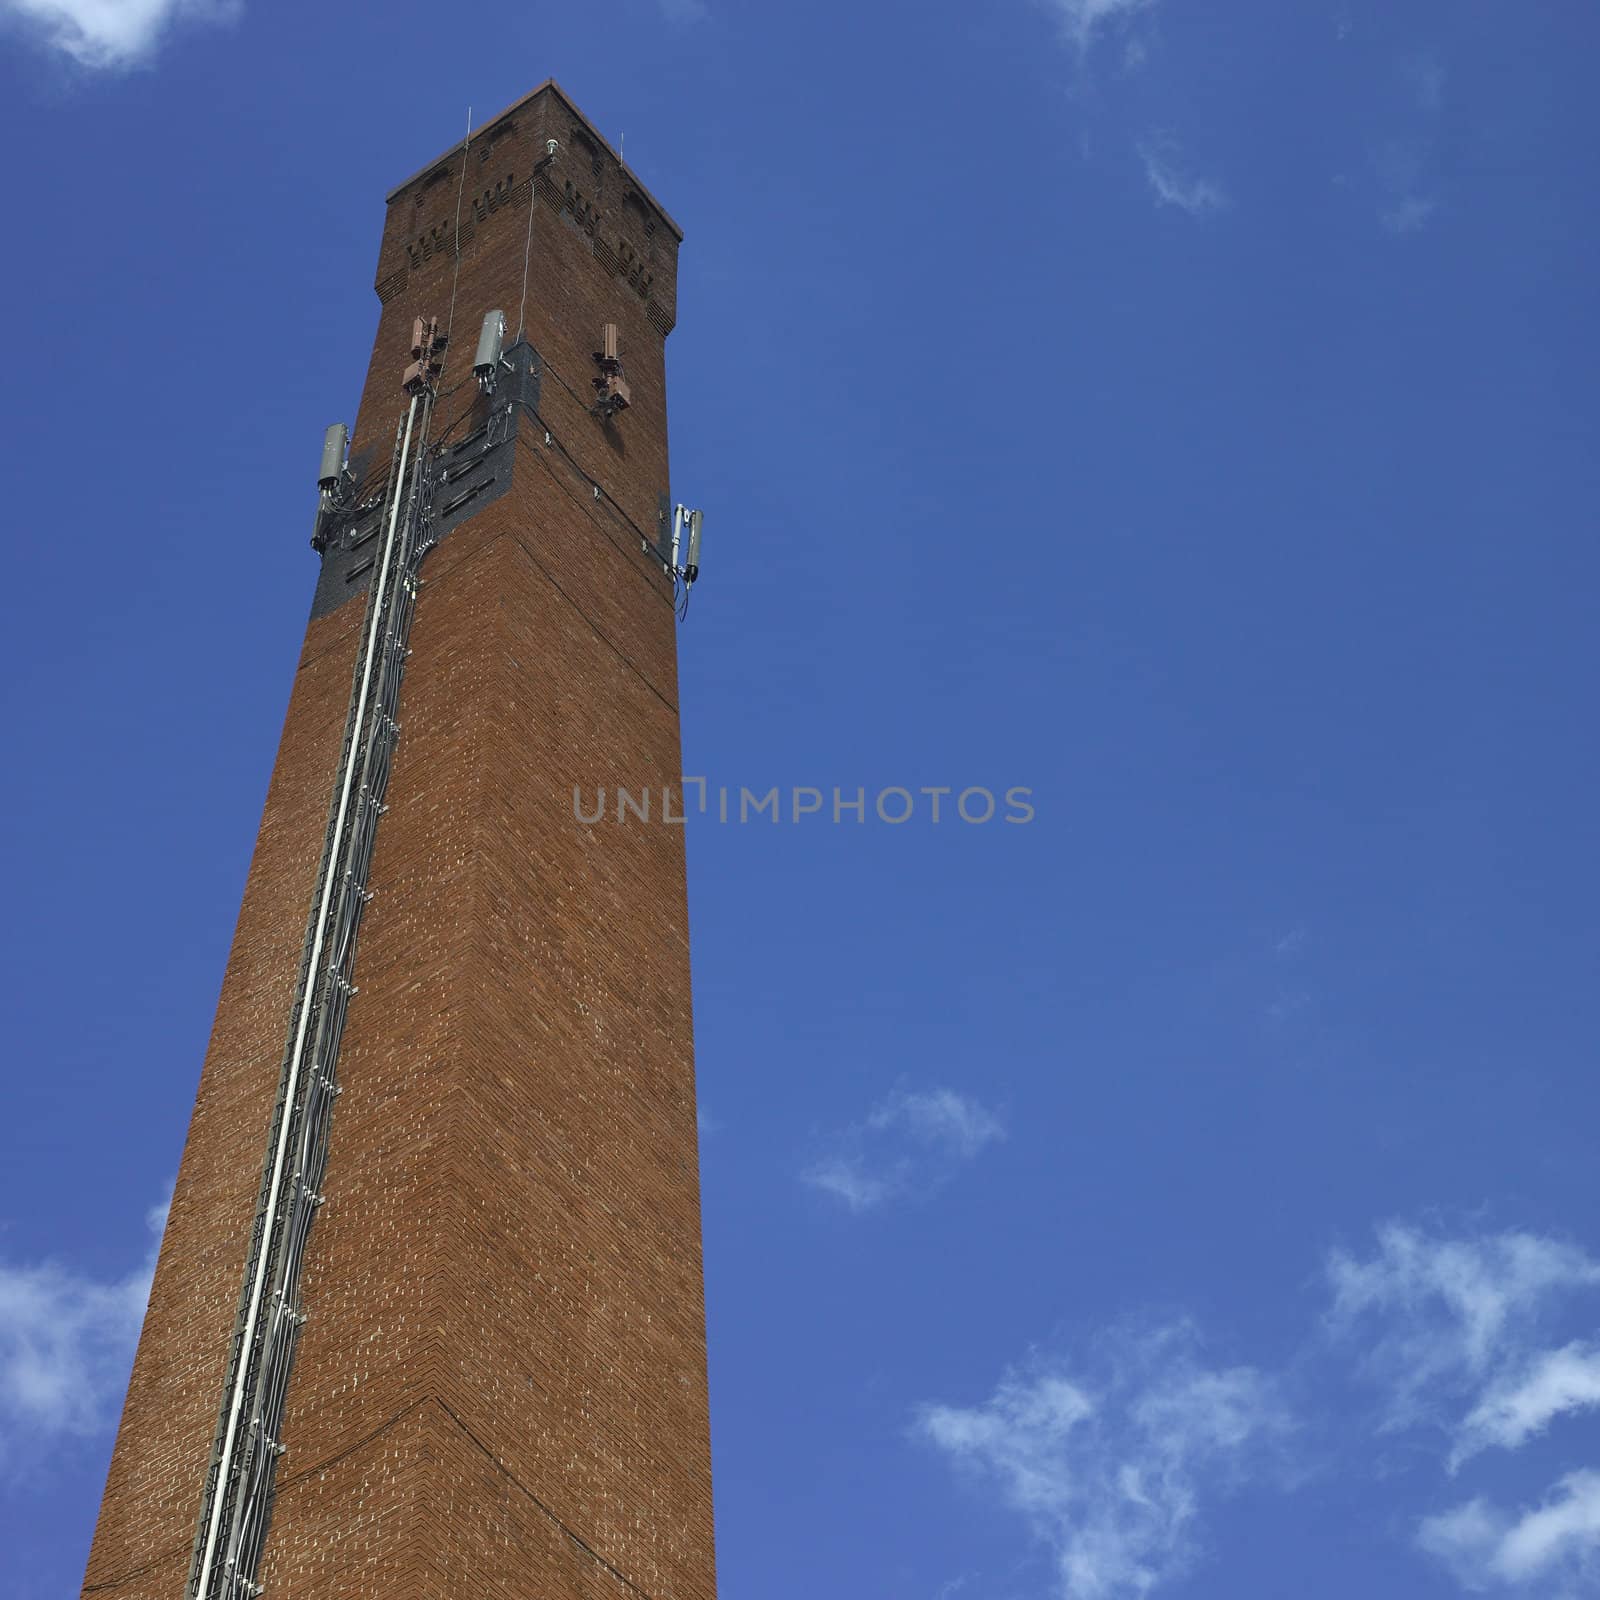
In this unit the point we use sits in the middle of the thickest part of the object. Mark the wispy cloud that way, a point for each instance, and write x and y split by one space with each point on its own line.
909 1144
1450 1318
1426 75
112 34
1519 1405
1409 214
1082 21
940 1119
1402 169
1083 24
1459 1334
65 1343
1555 1542
846 1178
1113 1459
1109 1461
1173 184
1405 164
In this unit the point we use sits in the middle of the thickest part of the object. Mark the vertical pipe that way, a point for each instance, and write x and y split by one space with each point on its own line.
236 1401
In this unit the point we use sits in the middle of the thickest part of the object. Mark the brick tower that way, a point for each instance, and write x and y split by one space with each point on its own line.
442 1338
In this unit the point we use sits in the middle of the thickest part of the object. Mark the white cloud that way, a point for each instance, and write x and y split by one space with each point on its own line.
846 1179
113 33
1409 214
1082 20
1173 186
1288 1004
1109 1467
941 1119
1112 1461
1556 1542
1459 1337
910 1143
1405 165
1426 74
1451 1316
1517 1407
65 1344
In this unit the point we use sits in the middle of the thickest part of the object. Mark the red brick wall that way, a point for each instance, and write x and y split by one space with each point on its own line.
501 1386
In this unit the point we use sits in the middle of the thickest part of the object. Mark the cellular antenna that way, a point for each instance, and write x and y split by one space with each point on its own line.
486 363
610 387
686 531
333 481
691 566
334 444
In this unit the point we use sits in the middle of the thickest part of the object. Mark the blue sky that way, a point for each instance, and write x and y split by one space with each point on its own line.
1182 412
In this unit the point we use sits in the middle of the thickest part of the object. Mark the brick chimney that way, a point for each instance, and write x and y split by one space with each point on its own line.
442 1337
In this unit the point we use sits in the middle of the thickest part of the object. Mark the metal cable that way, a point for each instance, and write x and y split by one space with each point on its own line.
240 1480
455 277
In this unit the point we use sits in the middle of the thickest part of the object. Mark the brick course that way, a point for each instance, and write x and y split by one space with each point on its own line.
501 1386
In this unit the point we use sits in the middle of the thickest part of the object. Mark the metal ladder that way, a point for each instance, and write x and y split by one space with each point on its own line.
236 1505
